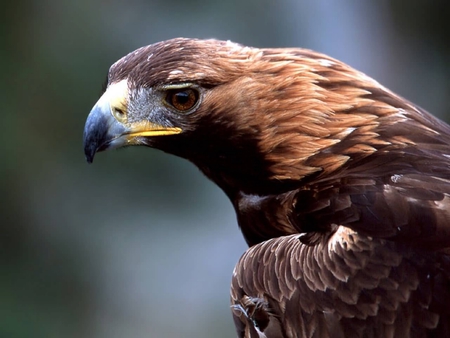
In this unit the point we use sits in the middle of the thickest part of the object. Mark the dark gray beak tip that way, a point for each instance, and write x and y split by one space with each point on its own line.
90 145
89 158
95 133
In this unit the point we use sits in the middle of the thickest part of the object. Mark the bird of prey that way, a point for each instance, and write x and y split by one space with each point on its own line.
341 187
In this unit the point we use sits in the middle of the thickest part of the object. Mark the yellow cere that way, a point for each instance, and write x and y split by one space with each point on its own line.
116 95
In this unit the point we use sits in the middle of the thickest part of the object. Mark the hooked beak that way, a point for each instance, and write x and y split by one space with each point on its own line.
107 125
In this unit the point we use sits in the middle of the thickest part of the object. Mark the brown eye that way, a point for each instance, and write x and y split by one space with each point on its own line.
182 99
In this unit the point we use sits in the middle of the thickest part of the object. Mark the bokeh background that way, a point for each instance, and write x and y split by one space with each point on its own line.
140 244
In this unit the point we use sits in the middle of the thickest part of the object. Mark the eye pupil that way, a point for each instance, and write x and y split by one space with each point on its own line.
182 99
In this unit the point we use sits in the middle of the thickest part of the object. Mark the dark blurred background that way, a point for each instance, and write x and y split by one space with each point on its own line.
140 244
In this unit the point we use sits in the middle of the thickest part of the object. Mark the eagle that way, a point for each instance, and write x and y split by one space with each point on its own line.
340 186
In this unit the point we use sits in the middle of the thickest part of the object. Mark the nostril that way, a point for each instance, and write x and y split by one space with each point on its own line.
119 114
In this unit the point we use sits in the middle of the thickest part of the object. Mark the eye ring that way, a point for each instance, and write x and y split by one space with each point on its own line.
182 99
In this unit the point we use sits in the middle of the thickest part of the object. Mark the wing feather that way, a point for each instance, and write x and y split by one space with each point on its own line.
389 290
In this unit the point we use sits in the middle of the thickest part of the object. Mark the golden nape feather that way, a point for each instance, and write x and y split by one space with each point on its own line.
341 187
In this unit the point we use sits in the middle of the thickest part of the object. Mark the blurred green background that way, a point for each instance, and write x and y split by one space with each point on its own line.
140 244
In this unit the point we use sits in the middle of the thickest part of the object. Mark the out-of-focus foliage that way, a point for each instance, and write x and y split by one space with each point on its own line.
140 244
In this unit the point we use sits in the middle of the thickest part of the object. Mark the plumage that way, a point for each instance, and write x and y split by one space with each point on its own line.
341 187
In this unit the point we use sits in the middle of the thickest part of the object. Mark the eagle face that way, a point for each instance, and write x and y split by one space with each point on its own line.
341 187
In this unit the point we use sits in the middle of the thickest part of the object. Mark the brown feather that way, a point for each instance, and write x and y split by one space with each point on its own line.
341 187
